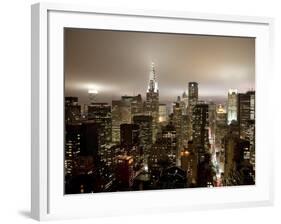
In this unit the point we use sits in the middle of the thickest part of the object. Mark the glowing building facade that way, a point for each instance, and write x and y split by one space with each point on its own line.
163 115
152 101
192 101
145 134
178 123
246 120
201 129
232 106
72 109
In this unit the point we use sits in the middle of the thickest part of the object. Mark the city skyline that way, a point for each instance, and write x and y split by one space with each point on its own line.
117 63
117 140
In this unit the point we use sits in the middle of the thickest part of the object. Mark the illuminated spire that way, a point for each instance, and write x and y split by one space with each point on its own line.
153 85
184 95
153 71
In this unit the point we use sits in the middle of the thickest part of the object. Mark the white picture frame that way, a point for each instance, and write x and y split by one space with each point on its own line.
47 198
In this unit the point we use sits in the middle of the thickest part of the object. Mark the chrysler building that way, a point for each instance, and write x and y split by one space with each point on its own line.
152 101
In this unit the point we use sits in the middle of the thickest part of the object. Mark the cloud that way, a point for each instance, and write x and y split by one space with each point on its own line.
117 63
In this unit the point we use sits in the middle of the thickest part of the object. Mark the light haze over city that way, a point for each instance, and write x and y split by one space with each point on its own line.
116 63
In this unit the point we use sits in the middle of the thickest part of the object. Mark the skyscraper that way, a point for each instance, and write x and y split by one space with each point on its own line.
130 141
185 100
221 115
152 101
124 171
192 94
92 95
189 164
121 114
100 113
246 120
72 109
169 138
135 103
163 114
145 135
232 106
192 101
220 131
158 159
72 147
201 129
178 123
129 134
212 124
182 105
237 170
91 136
186 135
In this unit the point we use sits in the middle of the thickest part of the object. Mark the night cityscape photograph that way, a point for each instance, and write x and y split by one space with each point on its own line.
151 111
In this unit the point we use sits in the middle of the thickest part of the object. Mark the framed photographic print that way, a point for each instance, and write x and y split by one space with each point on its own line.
148 111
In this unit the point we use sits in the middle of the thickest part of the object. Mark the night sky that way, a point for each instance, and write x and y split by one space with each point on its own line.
118 63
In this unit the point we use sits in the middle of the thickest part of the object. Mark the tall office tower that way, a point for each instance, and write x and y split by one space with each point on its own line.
185 130
221 115
91 173
72 147
220 131
121 114
212 125
163 113
192 95
189 164
232 106
100 113
182 105
201 129
72 109
230 141
84 112
136 104
185 100
145 135
158 159
124 171
169 139
178 123
237 170
130 141
192 101
116 120
129 134
246 120
94 145
92 95
91 136
109 153
152 101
